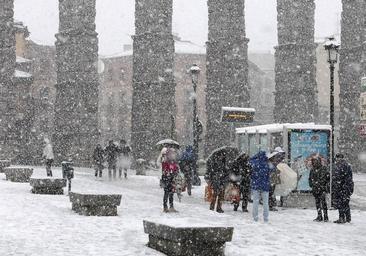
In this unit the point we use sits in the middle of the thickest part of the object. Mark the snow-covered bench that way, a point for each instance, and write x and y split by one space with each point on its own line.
50 186
18 174
177 240
95 205
4 164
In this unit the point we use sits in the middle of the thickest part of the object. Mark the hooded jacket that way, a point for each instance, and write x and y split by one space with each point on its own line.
261 171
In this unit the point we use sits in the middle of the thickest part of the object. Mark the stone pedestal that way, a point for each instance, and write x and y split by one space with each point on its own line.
4 164
188 241
95 205
18 174
47 186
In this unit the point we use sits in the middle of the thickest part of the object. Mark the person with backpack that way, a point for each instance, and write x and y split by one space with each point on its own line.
343 186
124 158
98 158
170 169
319 180
111 152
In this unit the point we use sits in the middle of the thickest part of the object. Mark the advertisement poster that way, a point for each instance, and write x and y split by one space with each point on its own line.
303 146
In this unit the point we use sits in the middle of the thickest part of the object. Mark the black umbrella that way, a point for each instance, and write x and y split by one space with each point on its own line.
230 153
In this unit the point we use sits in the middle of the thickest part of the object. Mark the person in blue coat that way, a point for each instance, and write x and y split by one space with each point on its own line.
342 188
260 183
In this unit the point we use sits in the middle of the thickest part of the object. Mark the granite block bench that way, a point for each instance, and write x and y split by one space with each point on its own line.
95 204
18 174
188 241
4 164
49 186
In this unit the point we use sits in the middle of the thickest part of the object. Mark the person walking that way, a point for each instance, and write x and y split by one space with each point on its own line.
124 158
186 163
319 179
111 152
217 178
275 158
48 156
260 183
98 157
343 188
170 170
241 172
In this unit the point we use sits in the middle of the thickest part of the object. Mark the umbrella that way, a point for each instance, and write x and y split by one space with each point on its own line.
288 179
231 153
168 143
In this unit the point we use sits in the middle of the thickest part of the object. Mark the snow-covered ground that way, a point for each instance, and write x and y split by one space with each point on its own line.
45 225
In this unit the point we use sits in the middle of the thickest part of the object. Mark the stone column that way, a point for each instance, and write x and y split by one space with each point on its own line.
153 82
350 73
227 67
295 96
76 126
7 91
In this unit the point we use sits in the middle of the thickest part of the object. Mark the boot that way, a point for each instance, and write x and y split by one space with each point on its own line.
219 204
326 219
341 219
171 209
236 206
320 217
166 210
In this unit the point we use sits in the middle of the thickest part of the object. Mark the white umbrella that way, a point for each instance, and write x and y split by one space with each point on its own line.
288 179
167 142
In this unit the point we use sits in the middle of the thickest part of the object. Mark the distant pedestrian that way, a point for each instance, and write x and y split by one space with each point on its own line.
343 188
186 164
124 158
111 152
170 170
217 178
240 176
260 183
48 156
276 157
98 158
319 179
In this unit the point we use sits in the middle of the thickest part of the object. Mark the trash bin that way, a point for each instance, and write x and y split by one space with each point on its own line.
140 166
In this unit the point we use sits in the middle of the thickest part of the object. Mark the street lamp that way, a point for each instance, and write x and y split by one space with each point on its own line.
332 47
195 72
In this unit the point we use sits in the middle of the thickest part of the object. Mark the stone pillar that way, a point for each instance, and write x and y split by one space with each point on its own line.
350 73
153 102
295 96
7 91
227 67
76 126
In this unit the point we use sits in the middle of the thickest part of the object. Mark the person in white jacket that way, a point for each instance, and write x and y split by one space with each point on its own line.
48 156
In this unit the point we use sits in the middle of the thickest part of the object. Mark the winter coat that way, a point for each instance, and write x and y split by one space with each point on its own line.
217 174
48 152
98 155
241 172
342 182
319 179
261 172
111 153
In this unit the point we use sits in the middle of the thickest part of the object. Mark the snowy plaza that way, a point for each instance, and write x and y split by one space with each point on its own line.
45 225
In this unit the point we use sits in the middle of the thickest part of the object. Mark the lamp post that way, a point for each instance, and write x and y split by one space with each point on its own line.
332 46
195 72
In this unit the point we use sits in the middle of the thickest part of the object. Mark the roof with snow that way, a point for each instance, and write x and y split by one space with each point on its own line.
280 127
22 60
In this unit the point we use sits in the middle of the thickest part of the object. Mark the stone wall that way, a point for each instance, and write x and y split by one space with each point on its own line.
295 97
227 67
76 107
8 140
153 107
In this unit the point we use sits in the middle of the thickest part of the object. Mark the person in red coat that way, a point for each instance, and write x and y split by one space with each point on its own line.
170 169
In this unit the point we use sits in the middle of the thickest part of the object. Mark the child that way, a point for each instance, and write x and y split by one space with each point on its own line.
169 172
